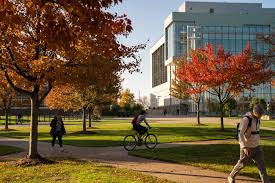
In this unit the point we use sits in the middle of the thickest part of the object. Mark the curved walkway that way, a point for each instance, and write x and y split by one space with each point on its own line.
117 156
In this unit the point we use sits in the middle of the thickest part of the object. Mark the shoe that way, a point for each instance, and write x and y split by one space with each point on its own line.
62 149
230 180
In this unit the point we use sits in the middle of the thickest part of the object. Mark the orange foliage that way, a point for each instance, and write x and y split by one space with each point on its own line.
46 44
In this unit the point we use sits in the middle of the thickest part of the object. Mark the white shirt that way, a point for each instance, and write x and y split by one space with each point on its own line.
140 119
246 138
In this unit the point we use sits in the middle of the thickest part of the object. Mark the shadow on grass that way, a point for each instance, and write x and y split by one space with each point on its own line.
82 132
7 130
201 124
6 150
192 175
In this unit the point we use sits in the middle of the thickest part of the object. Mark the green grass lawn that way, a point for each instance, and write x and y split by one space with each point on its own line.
218 157
112 133
270 124
67 171
4 150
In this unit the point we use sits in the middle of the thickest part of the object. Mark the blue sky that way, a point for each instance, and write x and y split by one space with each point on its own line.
147 19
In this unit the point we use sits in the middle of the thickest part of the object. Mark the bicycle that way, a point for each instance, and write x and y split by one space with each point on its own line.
131 141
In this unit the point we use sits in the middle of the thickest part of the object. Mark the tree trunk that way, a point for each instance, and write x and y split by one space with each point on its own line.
7 119
198 113
33 153
84 118
90 112
221 115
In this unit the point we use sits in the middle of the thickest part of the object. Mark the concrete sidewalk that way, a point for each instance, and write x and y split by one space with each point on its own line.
117 156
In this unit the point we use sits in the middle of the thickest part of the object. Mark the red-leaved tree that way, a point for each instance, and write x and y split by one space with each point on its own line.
226 75
187 83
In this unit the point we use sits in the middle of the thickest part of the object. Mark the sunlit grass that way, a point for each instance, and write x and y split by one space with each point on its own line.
112 133
68 171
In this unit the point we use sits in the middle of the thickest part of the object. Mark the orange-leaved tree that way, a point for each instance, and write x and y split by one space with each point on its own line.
187 83
126 98
44 43
68 97
226 75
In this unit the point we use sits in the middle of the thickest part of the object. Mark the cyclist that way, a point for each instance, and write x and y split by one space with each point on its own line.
139 128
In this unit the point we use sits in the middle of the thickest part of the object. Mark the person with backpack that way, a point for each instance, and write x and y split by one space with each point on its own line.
136 124
249 137
57 130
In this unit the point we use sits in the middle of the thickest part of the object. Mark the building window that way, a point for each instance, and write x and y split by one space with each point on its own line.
159 70
211 10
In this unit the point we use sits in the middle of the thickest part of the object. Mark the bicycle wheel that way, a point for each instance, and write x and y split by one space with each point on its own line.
129 142
151 141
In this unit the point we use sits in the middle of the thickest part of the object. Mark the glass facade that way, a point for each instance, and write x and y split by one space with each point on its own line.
159 70
176 39
234 39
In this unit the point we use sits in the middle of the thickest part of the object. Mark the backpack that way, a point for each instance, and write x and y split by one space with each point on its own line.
248 126
134 120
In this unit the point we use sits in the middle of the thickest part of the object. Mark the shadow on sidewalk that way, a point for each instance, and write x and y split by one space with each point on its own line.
194 175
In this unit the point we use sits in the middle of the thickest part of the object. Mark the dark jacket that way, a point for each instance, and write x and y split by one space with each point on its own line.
53 126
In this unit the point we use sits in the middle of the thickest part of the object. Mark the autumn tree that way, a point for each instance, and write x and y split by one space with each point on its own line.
68 97
126 98
102 97
7 94
187 81
44 43
226 75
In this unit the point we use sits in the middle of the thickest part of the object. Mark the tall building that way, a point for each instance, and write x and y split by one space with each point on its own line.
231 25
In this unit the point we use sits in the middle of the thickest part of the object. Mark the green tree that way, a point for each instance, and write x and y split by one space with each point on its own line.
230 105
255 101
136 108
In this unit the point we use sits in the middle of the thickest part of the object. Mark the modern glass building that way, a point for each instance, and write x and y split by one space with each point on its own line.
232 25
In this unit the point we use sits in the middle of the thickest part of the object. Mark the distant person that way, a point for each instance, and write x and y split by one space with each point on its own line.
57 130
137 124
249 137
19 119
178 112
164 112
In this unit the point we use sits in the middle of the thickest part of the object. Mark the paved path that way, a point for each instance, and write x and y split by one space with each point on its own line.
117 156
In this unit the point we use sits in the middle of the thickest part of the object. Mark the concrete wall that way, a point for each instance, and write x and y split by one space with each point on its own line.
220 7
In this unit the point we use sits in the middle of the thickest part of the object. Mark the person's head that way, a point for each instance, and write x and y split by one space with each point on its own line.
258 110
143 112
57 115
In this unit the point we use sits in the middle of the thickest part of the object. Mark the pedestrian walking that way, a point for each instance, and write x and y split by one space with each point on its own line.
57 130
249 137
